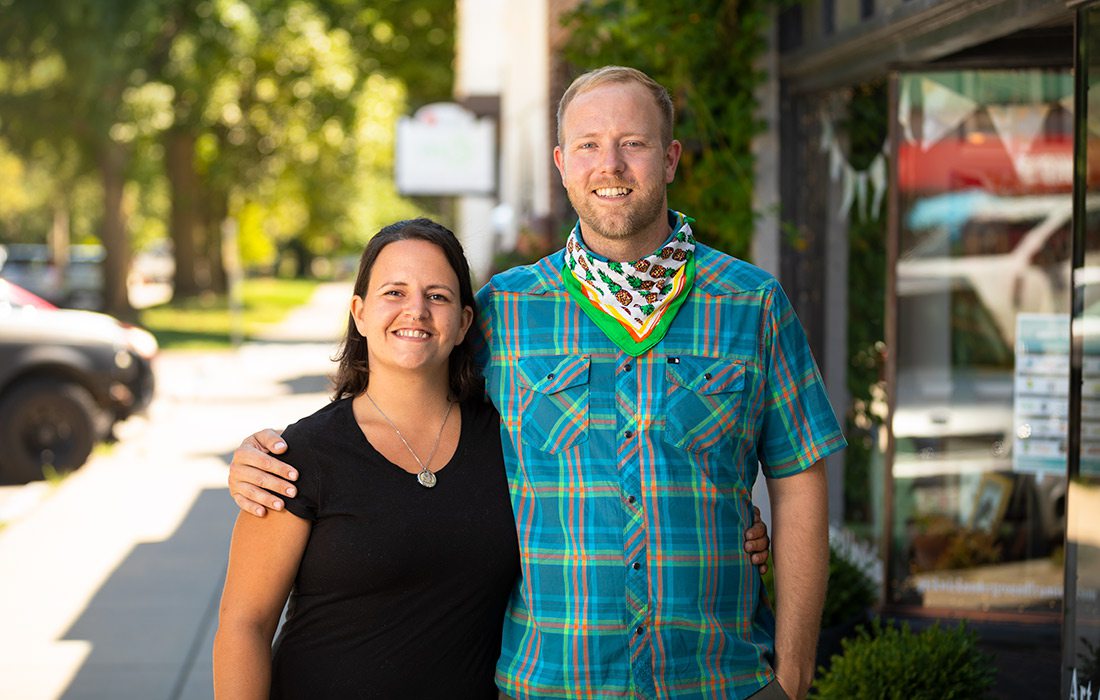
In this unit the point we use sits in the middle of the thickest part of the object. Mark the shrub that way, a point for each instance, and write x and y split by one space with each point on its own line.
891 663
850 592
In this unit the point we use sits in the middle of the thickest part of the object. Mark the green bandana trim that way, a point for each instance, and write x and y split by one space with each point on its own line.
614 330
628 341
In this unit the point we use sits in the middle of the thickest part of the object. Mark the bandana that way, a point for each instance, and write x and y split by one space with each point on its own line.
633 303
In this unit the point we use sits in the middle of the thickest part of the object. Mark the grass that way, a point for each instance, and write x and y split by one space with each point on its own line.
205 322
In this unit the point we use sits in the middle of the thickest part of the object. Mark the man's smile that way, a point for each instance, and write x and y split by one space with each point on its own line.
612 191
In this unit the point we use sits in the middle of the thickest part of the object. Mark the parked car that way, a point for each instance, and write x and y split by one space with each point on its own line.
66 377
30 266
154 264
83 285
78 284
1014 252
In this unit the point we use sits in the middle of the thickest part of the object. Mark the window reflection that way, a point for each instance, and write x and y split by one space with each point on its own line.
1082 624
983 296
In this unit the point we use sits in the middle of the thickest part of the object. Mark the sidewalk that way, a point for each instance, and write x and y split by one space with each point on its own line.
112 578
323 319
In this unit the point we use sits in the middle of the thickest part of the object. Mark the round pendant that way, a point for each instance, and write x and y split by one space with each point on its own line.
426 479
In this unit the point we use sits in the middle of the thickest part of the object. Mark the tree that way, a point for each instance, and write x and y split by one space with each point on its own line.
261 111
63 86
268 102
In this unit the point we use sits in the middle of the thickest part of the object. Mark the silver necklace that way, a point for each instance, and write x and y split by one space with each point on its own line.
425 476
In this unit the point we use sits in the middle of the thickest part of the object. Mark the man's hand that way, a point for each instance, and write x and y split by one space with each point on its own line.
253 469
757 542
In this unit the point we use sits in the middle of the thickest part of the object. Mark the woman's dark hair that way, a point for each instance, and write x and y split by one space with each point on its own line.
353 373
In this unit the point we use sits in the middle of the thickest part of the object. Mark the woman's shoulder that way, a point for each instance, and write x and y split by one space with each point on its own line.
321 425
481 412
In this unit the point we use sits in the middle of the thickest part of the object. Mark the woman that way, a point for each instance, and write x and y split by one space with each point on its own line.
400 545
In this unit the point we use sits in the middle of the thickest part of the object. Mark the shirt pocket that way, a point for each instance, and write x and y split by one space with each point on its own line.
555 397
704 399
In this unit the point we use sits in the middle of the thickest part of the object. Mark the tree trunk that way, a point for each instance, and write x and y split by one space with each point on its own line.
216 209
59 236
116 241
59 239
183 181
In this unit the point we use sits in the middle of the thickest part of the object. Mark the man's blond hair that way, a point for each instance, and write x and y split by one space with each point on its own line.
620 74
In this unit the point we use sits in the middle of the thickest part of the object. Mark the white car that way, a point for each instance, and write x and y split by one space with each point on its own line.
1014 252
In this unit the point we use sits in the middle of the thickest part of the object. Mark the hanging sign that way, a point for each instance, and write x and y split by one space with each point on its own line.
443 150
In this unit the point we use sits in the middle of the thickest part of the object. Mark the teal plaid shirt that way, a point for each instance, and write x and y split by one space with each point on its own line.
631 481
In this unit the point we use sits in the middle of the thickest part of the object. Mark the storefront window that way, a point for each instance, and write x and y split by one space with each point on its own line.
1081 628
983 289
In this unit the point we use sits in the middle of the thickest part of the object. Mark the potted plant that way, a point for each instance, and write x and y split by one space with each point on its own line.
886 662
848 602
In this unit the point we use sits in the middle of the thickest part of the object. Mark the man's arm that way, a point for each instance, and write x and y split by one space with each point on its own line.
254 473
253 470
800 537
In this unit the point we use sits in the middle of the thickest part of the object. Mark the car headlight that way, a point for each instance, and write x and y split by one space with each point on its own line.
140 341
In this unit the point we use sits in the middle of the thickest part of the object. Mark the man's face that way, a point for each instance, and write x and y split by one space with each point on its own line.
615 168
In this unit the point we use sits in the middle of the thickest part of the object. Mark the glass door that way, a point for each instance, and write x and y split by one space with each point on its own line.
982 292
1081 627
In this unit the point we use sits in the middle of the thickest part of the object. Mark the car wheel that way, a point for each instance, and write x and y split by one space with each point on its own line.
45 423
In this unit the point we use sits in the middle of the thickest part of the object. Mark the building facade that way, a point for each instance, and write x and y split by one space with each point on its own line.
957 134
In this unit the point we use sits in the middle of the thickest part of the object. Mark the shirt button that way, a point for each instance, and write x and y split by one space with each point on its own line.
550 376
707 376
626 367
630 499
639 630
629 434
674 360
636 566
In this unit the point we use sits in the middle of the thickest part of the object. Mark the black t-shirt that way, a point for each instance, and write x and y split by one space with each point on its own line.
402 589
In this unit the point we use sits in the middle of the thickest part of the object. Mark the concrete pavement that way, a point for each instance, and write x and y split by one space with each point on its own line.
111 578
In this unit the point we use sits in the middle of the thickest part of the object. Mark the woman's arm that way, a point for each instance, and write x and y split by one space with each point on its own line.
263 561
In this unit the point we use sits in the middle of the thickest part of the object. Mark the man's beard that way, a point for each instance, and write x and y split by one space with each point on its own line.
648 207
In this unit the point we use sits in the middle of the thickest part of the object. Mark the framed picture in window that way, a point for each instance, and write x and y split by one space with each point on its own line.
990 502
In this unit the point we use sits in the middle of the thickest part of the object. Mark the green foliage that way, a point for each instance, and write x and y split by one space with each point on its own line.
865 126
285 111
850 592
849 595
891 663
705 53
205 322
410 40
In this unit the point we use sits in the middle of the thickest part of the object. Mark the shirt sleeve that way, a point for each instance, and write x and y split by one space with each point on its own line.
300 455
481 336
797 426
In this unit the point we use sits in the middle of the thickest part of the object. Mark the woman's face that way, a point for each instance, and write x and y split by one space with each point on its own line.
411 314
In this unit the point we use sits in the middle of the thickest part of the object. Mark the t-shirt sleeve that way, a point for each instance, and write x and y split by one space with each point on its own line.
798 426
301 456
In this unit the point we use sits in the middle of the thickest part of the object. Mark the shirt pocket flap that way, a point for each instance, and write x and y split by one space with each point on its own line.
549 374
706 375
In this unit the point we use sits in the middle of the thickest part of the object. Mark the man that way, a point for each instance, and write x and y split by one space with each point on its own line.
641 378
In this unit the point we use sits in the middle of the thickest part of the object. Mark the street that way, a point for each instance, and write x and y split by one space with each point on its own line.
112 578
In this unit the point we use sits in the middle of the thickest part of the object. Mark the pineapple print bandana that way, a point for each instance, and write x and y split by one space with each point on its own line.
633 303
